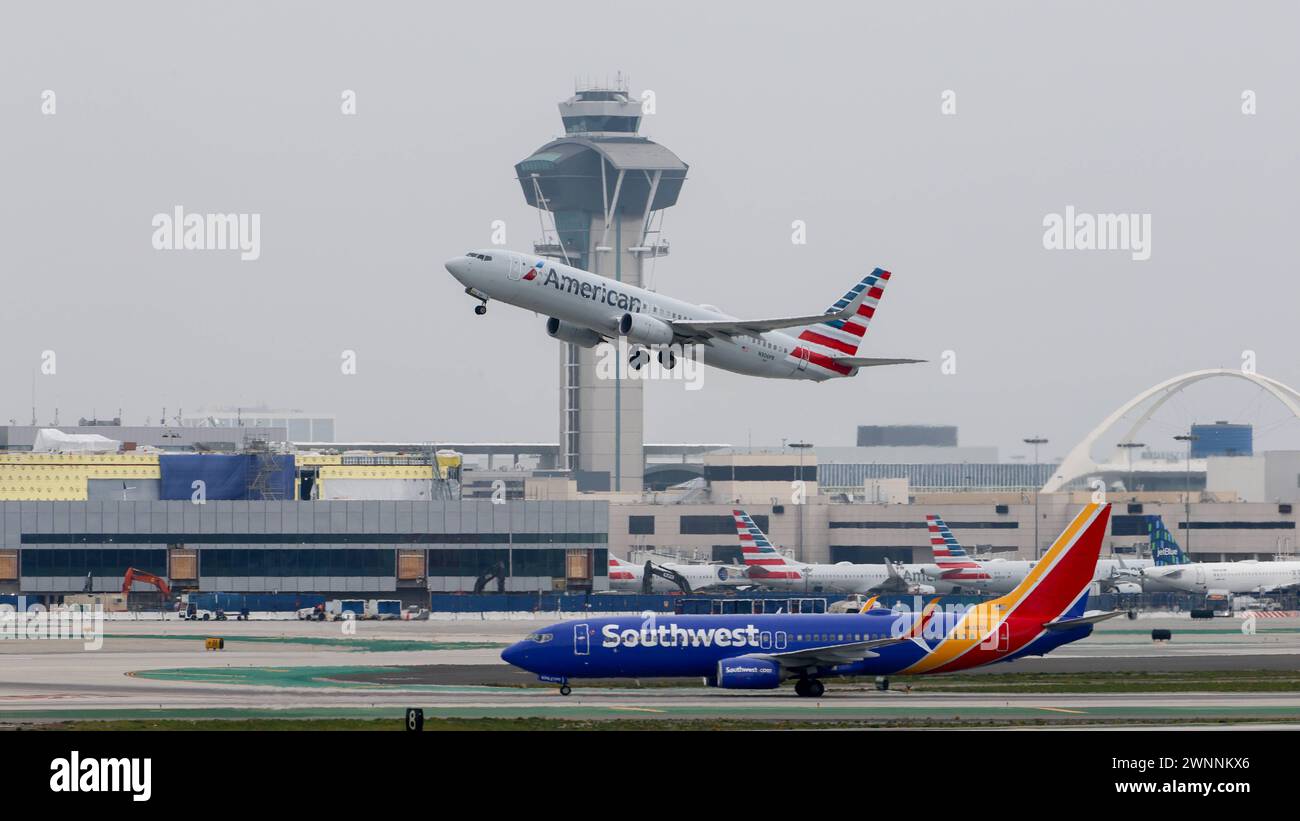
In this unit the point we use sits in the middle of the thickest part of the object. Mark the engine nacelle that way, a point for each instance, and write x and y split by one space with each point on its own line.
744 673
645 329
1128 587
578 335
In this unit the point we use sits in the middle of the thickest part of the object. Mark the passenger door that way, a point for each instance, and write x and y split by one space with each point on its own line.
516 269
581 646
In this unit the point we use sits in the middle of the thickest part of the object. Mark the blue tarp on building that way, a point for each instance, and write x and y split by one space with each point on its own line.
225 476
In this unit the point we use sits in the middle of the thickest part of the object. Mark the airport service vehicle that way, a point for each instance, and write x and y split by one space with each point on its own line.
759 652
587 309
666 577
768 567
1002 575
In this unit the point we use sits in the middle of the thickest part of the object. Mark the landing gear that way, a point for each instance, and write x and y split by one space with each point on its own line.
638 359
565 689
809 688
481 308
882 683
667 359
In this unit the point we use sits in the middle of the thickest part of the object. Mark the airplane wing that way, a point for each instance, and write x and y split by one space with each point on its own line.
870 362
830 655
1086 618
753 327
750 327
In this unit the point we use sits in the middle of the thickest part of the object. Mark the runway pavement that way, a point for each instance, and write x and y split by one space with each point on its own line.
294 669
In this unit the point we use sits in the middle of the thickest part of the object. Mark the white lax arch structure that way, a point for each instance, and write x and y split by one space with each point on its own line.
1079 462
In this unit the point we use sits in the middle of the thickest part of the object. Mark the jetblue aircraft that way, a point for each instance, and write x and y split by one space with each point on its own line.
586 309
1173 571
759 652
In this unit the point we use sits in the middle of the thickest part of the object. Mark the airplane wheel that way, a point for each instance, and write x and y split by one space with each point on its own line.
565 689
480 309
667 359
638 358
809 688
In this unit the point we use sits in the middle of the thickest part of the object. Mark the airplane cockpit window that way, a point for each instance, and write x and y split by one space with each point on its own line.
540 638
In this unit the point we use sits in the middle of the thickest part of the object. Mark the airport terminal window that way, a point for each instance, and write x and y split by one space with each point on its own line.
715 525
111 562
297 562
641 525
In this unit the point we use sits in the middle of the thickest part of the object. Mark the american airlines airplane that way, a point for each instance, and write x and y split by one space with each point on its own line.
768 567
1002 575
587 309
628 576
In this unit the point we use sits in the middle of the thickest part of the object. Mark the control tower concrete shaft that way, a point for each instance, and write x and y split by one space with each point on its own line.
603 186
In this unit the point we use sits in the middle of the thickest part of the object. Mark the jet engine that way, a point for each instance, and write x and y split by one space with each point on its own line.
745 673
567 332
645 329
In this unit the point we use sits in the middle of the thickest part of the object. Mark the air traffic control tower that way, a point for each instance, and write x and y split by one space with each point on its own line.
605 188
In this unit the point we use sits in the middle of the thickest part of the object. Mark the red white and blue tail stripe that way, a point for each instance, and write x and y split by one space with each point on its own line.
761 558
950 556
822 343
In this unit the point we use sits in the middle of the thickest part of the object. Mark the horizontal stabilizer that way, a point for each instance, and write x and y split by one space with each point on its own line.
869 361
1086 618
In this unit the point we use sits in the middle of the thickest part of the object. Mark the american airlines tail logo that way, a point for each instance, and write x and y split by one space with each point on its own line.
596 293
670 635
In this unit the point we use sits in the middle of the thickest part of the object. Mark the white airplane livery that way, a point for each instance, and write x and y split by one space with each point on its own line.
587 309
768 567
628 576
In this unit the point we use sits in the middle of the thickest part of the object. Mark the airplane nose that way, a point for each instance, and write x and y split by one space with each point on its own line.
514 654
458 267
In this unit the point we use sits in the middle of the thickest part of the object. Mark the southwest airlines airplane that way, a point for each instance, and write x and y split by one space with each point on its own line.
768 567
586 309
758 652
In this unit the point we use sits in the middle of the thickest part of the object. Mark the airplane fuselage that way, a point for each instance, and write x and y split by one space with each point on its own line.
1225 577
680 646
854 578
583 300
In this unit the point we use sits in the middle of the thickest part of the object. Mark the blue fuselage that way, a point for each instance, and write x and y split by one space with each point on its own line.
669 646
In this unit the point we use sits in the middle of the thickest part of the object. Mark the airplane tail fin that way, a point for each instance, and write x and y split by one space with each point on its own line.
761 558
953 561
841 337
1058 584
1164 548
620 570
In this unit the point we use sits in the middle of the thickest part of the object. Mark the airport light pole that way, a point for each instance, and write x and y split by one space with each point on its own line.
801 447
1189 438
1128 446
1036 441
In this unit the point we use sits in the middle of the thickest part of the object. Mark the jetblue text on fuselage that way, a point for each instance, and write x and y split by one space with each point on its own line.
596 293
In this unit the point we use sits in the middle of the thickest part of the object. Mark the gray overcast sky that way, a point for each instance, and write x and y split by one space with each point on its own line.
829 113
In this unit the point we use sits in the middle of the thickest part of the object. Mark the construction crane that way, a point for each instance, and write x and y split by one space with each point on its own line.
133 575
668 574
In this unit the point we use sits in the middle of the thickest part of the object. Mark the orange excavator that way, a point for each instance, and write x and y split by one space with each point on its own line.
133 575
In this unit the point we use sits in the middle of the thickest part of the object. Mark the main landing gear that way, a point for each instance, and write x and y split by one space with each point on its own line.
809 688
565 689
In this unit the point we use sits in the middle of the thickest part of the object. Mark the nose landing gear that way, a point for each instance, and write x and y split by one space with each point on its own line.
481 308
565 689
